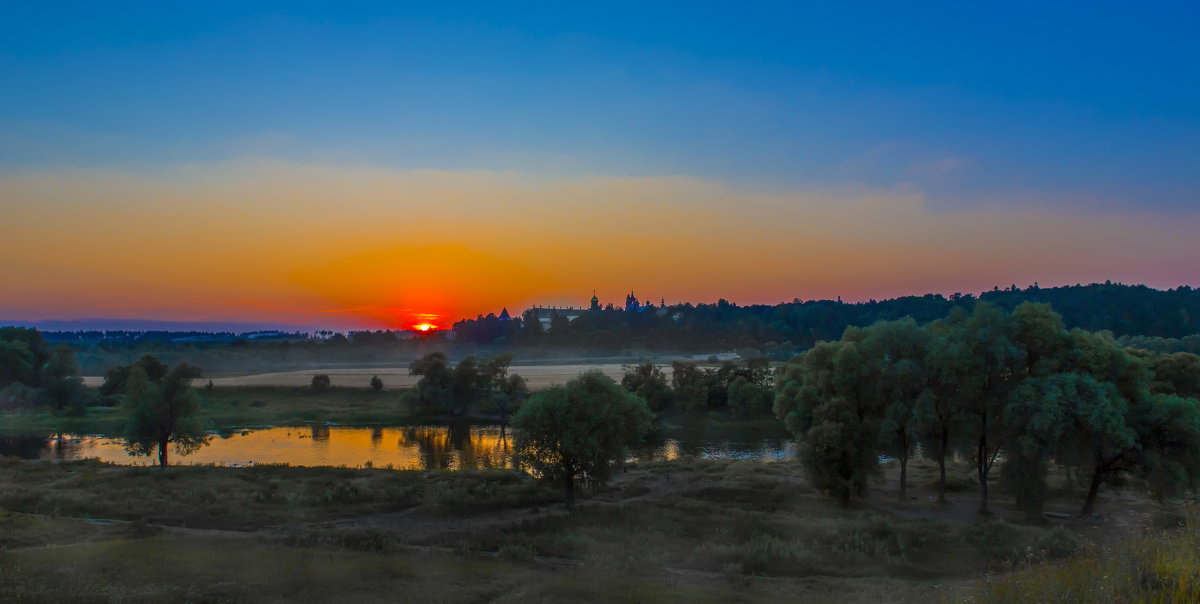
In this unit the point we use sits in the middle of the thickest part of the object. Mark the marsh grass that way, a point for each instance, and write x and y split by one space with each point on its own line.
1163 566
244 498
684 530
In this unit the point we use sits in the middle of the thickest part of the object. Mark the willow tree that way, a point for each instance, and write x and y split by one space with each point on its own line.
827 398
992 366
164 413
579 429
1112 417
648 381
896 354
1169 428
1038 418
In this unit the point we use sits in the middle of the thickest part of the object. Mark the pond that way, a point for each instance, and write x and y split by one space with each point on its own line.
451 447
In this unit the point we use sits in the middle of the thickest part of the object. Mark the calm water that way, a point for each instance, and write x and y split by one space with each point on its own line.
403 447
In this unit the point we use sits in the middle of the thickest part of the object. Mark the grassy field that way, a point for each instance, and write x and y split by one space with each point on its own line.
687 530
241 406
238 406
537 377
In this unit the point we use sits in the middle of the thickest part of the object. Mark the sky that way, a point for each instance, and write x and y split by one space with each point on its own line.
352 165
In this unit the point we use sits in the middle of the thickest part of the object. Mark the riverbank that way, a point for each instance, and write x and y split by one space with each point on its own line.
684 530
233 407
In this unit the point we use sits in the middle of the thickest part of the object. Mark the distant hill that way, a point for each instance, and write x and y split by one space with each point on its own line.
116 324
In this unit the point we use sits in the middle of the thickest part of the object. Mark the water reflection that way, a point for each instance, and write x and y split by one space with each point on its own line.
447 447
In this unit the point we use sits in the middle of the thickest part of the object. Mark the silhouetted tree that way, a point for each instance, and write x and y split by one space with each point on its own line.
648 381
579 428
162 414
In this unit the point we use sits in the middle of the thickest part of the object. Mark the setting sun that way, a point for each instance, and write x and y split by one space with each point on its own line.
424 327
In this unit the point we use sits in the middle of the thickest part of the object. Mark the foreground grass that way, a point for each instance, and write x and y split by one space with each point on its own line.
684 530
193 569
1161 567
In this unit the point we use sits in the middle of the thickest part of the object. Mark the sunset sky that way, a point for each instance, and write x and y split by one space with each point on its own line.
346 167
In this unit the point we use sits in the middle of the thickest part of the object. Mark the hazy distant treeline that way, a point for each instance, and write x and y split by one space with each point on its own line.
781 329
1162 321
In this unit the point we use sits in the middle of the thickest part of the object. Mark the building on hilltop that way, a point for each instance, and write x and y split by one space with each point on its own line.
545 314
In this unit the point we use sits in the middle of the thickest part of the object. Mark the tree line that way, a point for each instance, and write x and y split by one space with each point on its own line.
1015 388
1159 318
783 329
482 384
32 373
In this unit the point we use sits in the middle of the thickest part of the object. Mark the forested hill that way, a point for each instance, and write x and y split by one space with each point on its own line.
1121 309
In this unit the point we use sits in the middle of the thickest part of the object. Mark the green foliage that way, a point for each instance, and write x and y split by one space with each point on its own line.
16 362
320 382
164 413
1169 434
990 364
1177 373
447 389
433 392
513 391
990 381
896 353
828 399
32 372
648 381
61 386
579 429
689 386
747 399
116 380
1037 418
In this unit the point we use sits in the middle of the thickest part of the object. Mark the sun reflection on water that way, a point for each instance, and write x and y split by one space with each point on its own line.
429 447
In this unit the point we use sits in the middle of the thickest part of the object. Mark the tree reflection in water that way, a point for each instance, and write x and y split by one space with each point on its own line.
446 447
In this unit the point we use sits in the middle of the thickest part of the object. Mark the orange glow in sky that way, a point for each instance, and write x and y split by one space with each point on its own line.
370 247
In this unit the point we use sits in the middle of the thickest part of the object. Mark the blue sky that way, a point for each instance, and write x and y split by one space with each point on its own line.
1078 103
308 161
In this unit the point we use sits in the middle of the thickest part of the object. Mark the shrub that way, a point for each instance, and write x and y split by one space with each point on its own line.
320 382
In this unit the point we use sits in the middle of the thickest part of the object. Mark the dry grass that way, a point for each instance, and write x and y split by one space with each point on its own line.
1161 567
685 530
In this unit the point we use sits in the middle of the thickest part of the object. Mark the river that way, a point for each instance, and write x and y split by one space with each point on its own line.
449 447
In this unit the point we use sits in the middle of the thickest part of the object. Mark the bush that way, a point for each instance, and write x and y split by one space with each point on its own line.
376 384
320 382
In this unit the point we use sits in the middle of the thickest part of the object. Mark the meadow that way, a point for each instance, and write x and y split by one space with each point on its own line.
692 530
537 377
